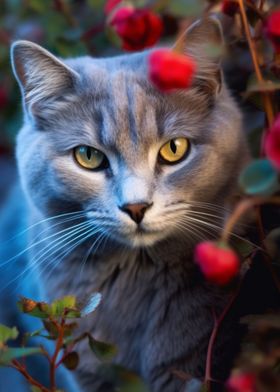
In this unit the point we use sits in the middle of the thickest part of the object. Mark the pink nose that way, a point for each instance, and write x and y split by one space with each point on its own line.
136 211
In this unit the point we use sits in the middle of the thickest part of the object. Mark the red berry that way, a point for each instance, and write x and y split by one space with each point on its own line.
272 29
243 382
169 70
219 264
110 5
138 28
230 7
272 143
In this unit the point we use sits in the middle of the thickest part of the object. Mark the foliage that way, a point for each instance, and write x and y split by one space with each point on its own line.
59 327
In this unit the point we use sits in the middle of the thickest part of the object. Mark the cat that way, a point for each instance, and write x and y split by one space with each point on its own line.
125 180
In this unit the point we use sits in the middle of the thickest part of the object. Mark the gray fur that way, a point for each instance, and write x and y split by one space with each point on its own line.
155 307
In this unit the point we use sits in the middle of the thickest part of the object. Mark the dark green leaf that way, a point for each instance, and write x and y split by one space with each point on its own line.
103 351
122 379
259 178
71 360
183 8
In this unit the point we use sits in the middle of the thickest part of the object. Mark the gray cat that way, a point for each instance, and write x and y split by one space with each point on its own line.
135 178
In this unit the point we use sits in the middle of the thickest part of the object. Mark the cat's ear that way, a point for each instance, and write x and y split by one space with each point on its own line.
204 41
41 75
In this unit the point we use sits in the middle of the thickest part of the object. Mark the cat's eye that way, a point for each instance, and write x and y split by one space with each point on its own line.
174 150
90 158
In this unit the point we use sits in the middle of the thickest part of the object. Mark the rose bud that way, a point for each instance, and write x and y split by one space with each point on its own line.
169 70
272 29
243 382
137 28
272 143
218 263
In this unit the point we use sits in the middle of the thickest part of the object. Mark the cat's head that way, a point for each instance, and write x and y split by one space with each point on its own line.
143 165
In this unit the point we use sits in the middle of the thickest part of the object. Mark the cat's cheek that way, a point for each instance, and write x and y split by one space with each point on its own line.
76 183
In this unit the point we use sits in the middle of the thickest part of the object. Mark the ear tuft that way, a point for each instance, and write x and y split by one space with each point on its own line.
39 74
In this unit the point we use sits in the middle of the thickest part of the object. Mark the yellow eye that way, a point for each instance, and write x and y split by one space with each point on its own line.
174 150
90 158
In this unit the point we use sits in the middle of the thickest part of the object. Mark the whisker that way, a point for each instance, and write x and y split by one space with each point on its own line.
68 251
77 213
37 243
30 267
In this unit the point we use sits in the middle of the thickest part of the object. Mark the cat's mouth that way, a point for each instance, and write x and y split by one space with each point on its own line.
141 236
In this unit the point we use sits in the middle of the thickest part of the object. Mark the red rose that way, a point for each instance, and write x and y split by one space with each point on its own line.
138 28
272 143
272 29
169 70
110 5
218 263
241 383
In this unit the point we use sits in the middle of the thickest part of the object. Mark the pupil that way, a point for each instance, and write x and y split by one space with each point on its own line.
88 153
173 146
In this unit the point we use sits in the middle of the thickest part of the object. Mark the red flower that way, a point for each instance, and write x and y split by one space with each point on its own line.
110 5
272 143
230 7
218 263
138 29
169 70
272 29
241 383
3 98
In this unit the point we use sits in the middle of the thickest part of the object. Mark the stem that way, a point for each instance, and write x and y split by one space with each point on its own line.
59 344
262 5
17 365
266 97
241 208
217 324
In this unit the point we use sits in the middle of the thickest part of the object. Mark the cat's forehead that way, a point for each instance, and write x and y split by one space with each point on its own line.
119 109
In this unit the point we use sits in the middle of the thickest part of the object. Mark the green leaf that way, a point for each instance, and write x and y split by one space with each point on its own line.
103 351
60 306
183 8
35 389
7 333
254 86
8 354
92 304
122 379
259 178
33 308
71 360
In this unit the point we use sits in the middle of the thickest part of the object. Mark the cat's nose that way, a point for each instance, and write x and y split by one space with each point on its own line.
136 211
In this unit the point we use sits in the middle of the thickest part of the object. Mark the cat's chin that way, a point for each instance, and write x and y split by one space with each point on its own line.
140 239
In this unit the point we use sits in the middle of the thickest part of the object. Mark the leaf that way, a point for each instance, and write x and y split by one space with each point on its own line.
103 351
7 333
35 389
7 355
65 307
254 86
33 308
51 327
122 379
272 244
259 178
181 8
71 360
92 304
